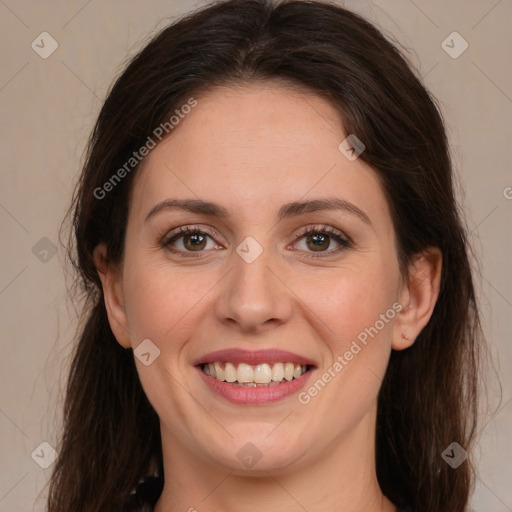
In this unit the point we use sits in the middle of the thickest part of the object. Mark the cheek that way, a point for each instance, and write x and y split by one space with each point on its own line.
160 301
351 301
348 312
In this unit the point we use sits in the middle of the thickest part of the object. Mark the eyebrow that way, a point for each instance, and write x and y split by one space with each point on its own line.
286 211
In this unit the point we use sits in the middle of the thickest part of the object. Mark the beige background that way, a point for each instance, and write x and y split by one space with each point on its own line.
48 107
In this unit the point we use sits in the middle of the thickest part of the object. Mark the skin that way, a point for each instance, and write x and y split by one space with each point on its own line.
251 149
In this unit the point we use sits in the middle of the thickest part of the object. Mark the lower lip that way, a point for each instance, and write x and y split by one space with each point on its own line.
254 396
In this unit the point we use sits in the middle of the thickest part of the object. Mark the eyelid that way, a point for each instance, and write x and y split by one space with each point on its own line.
183 230
323 228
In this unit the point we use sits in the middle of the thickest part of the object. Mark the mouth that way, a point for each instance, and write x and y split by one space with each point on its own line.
252 376
249 378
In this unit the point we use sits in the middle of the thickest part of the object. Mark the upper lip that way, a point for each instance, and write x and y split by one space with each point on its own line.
253 357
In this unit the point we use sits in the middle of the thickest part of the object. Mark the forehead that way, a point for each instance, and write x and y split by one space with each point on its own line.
254 147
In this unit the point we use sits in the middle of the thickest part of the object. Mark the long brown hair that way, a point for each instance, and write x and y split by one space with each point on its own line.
428 399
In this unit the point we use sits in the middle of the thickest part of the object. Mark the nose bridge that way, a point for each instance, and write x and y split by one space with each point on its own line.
252 295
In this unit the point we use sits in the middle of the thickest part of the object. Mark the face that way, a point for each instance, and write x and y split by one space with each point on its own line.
284 254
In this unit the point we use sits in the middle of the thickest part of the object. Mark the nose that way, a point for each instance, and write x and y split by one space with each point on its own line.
253 297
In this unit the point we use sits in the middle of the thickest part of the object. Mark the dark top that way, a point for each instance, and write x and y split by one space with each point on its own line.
148 492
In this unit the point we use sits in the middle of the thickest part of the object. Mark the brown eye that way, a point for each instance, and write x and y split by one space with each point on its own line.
318 242
194 242
189 240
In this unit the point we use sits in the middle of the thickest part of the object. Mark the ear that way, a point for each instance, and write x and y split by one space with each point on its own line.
418 297
111 281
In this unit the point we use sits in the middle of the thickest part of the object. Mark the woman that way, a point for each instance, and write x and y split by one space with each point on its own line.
281 308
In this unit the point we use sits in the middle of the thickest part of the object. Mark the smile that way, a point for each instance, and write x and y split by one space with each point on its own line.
248 377
243 374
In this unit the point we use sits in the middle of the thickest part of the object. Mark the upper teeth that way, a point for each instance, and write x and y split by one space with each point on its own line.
260 374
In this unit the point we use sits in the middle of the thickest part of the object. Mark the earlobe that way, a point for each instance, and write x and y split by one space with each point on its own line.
113 295
418 297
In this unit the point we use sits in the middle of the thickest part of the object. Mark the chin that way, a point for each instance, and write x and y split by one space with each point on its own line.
259 454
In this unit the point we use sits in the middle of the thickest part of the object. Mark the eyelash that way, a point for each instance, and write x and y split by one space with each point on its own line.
344 243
